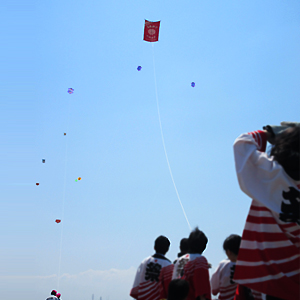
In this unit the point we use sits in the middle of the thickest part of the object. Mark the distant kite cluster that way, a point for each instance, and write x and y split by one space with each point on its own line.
70 91
151 34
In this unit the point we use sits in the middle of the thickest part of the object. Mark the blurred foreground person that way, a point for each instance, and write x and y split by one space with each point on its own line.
269 257
154 274
178 290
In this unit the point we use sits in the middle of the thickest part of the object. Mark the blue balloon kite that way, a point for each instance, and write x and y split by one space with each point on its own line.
193 84
139 68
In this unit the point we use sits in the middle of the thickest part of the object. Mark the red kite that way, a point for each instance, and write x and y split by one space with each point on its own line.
57 221
37 183
151 31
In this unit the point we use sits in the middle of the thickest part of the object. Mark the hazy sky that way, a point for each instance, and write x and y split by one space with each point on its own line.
243 57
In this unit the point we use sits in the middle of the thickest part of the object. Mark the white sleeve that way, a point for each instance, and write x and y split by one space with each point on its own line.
138 275
259 176
215 281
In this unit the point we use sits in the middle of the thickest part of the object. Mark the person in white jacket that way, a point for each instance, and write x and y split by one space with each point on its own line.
222 279
269 255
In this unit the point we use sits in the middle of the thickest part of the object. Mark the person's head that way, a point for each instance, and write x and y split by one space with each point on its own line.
53 292
178 289
231 246
162 244
286 151
184 246
58 295
197 241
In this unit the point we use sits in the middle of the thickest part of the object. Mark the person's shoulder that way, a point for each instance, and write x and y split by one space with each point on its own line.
224 264
145 260
200 261
184 257
200 257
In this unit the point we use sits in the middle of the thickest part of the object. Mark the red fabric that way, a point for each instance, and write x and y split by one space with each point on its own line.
260 138
134 292
165 278
196 274
227 292
267 266
151 31
148 290
240 294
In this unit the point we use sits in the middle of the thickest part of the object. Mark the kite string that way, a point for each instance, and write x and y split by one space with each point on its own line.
64 196
163 140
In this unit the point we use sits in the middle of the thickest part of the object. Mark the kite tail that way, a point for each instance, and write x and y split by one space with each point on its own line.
163 141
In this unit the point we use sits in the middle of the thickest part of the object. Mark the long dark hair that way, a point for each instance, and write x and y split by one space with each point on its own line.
286 151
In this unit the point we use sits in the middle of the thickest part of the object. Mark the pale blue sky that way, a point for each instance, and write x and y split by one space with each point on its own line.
243 57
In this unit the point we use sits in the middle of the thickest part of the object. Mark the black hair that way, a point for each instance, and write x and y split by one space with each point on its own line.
53 292
184 245
178 289
162 244
232 243
197 241
286 151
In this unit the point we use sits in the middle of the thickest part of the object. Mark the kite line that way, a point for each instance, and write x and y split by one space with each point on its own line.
163 140
64 196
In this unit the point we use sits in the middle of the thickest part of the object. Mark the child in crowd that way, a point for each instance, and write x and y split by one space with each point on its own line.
178 290
268 259
222 279
193 267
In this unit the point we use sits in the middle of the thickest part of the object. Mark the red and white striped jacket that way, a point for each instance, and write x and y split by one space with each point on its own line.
194 269
152 278
222 280
269 256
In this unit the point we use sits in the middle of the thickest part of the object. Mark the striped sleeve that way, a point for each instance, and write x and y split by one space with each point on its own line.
260 138
165 278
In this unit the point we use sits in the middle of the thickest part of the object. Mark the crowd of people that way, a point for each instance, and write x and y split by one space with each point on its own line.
265 261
